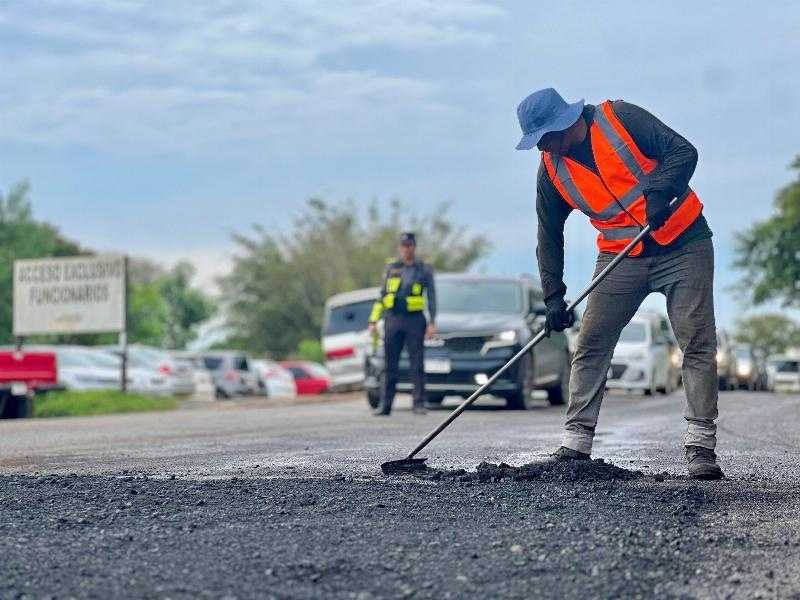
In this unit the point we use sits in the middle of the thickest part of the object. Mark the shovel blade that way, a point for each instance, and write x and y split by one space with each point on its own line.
406 465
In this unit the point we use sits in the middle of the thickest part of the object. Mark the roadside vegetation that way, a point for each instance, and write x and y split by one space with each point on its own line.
98 402
280 280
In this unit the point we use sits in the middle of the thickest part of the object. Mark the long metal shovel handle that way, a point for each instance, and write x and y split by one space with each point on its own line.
535 340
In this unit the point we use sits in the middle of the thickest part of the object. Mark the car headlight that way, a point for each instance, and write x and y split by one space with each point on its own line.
500 340
509 336
745 370
721 359
675 359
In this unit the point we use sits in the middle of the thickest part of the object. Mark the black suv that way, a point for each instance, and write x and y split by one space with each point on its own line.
482 322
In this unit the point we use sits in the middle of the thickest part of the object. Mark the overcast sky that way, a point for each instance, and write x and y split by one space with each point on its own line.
158 128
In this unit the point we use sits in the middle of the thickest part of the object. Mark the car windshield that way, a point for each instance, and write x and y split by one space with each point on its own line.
73 358
212 363
348 317
742 353
104 359
317 370
475 296
634 332
787 366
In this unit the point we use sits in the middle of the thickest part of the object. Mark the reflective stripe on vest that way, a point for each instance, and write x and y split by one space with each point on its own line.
610 211
415 303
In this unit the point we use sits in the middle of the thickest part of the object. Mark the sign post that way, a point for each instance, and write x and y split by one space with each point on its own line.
81 294
123 336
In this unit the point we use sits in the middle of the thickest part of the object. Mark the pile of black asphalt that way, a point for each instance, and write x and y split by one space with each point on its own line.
591 530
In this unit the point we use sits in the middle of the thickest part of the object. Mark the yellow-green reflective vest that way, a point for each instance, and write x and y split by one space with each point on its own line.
414 300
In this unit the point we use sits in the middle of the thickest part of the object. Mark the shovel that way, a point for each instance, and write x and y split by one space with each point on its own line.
410 464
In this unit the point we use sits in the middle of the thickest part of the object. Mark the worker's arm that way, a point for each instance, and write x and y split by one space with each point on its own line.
676 157
552 212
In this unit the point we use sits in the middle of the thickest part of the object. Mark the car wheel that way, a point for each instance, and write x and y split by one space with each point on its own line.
373 398
522 399
558 395
434 399
651 390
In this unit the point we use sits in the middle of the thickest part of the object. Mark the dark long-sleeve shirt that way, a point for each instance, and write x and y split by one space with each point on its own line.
424 273
676 158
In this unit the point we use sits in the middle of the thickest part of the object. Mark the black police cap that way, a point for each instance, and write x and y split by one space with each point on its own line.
408 237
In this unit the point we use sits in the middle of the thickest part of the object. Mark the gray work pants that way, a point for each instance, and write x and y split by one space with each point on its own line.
685 276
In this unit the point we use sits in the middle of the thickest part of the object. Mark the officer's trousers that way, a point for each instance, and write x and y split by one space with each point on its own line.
404 330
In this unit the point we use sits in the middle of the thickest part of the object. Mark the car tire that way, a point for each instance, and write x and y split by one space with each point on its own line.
522 399
373 398
558 395
668 387
434 399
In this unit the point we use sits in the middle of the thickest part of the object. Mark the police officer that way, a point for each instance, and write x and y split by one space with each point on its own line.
406 283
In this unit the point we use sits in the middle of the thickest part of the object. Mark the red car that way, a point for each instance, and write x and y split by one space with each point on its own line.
309 377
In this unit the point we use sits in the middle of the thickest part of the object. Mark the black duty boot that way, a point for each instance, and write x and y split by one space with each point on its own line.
381 411
702 463
564 454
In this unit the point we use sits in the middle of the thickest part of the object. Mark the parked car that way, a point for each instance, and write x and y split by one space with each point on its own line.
23 374
276 381
643 359
204 388
309 377
178 373
482 322
345 339
91 368
784 373
747 369
231 373
726 361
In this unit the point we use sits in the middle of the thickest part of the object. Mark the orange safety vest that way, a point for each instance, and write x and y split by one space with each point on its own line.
612 198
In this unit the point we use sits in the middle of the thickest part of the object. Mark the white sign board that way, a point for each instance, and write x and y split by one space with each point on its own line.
84 294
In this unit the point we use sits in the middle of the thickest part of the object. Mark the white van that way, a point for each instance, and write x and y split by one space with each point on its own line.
783 373
644 359
345 339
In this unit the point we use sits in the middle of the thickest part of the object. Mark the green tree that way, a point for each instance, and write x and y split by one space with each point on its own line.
769 252
23 237
772 333
164 309
277 288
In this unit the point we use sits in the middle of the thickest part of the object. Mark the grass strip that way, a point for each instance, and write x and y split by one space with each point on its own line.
98 402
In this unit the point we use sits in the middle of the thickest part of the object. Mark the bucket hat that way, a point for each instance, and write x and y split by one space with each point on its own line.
542 112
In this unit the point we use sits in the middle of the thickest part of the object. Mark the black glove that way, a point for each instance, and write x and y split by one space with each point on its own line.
557 317
657 207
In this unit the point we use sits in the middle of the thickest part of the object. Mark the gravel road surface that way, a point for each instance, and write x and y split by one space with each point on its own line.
250 500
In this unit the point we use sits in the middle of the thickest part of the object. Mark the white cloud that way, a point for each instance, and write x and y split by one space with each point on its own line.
188 77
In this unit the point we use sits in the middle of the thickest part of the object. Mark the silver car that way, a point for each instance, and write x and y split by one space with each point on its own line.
232 374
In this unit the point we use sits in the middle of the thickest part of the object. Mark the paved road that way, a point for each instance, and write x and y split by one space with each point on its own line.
254 500
342 437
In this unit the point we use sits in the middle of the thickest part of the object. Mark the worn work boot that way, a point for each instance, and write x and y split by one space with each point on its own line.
381 411
702 463
564 454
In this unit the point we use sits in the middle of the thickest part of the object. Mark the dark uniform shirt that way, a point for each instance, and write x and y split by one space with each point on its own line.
676 158
419 271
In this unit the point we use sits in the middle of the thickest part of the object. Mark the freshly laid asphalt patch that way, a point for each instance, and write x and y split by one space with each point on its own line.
498 532
568 471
